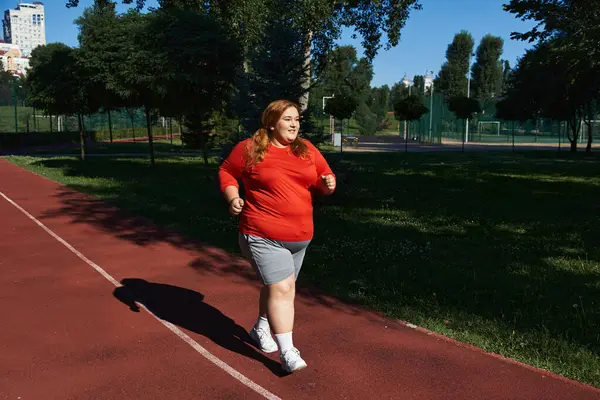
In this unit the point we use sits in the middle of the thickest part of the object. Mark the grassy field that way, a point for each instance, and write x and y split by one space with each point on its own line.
498 250
7 119
160 146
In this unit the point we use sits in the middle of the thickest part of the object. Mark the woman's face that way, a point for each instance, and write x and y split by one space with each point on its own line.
286 129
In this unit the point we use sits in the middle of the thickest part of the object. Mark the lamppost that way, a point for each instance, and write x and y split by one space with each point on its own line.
15 76
431 109
468 96
331 121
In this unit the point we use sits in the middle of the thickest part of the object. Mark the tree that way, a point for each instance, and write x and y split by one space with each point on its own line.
419 85
572 29
578 20
464 108
367 120
548 84
276 70
341 106
506 73
321 21
487 70
55 84
410 108
511 109
211 57
379 104
137 80
452 78
97 55
347 75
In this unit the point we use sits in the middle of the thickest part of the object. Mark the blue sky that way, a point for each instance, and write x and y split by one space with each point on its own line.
422 47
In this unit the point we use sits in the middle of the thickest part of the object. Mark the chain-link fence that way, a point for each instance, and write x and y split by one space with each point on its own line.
438 126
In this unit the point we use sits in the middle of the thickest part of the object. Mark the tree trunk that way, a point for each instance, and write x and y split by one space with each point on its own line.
132 127
589 123
150 140
204 142
110 133
573 132
81 136
306 81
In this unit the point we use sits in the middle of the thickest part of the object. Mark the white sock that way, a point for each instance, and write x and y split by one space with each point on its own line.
284 340
262 323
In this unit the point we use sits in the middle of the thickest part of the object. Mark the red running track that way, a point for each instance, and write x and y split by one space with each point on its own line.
69 333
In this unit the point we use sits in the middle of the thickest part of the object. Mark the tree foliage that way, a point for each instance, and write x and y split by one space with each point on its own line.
276 71
410 108
324 19
488 68
452 78
341 107
577 20
53 82
464 107
568 35
198 61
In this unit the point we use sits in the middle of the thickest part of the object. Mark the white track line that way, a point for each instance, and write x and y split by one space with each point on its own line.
182 335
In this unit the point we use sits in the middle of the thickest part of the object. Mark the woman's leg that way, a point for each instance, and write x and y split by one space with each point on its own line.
263 301
280 304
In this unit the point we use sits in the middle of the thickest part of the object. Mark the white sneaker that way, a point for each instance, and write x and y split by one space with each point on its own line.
291 360
263 340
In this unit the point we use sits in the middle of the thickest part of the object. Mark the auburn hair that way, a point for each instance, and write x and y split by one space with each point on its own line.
259 143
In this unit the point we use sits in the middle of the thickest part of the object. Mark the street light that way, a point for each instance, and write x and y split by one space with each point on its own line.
431 109
15 76
327 97
468 96
331 122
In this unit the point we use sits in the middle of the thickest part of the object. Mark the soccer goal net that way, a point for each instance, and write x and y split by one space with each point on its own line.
488 127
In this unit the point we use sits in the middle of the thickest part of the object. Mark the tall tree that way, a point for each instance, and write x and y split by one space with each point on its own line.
487 69
346 75
97 54
137 80
452 78
572 30
276 70
55 84
419 85
379 103
186 38
320 20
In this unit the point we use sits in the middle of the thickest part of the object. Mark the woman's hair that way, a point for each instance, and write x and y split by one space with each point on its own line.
259 143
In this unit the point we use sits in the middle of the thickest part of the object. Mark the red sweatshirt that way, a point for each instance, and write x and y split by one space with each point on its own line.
278 196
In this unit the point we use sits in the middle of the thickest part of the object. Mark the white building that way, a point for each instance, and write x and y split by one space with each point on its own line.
12 61
25 26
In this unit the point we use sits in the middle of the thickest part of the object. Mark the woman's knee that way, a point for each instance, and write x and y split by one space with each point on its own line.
283 289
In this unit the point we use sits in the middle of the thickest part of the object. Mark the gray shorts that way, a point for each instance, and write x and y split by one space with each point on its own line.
274 260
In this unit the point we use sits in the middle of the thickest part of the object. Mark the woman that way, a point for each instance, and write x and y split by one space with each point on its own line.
280 171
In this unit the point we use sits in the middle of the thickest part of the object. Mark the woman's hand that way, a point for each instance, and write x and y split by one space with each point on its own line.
328 183
236 205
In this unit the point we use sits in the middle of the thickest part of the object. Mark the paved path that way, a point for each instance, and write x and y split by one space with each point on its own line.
71 267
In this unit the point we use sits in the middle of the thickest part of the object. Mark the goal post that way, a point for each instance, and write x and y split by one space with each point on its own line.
481 123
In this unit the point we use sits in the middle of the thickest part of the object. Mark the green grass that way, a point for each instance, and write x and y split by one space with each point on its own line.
161 146
7 119
499 250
